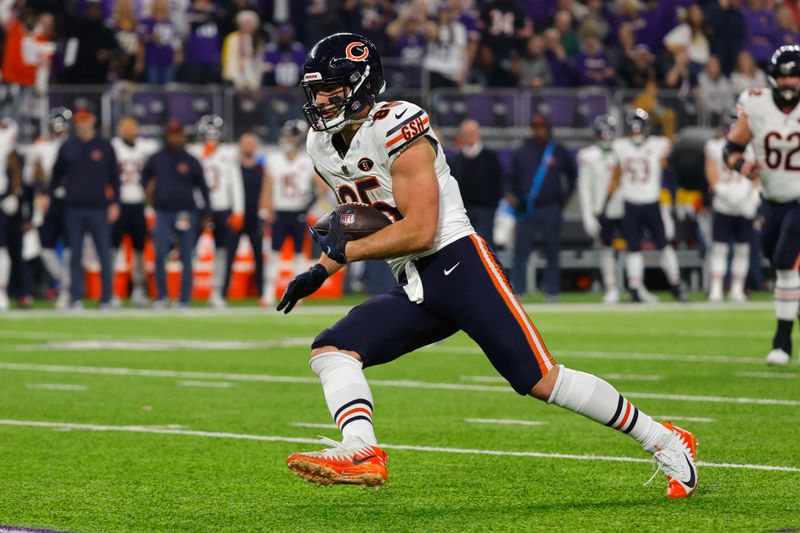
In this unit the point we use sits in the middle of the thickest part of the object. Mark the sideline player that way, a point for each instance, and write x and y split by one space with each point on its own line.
769 120
288 197
387 155
39 165
734 205
10 190
601 213
641 157
132 154
224 178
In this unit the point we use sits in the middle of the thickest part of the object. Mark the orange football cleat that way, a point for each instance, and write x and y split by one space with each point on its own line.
677 459
351 463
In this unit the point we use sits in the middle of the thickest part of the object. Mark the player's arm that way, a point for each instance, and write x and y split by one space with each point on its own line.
265 210
712 176
736 143
416 193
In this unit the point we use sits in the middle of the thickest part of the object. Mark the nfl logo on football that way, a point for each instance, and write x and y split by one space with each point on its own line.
347 218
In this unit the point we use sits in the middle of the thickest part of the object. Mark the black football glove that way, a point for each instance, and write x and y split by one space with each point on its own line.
303 285
333 244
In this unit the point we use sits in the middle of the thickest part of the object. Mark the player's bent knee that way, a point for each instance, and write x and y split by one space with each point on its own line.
328 349
543 389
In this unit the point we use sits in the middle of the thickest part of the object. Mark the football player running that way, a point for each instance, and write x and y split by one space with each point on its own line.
641 158
226 190
132 154
386 154
601 213
50 221
734 206
769 120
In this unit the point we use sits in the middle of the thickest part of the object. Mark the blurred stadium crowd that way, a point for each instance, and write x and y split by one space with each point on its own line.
487 71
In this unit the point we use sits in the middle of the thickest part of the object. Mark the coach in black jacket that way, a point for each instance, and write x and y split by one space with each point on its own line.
86 167
543 175
170 178
480 178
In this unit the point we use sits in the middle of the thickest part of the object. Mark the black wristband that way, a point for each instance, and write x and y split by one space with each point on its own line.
319 271
737 166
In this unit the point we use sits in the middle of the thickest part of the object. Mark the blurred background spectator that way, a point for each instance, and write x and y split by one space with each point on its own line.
162 47
714 89
747 74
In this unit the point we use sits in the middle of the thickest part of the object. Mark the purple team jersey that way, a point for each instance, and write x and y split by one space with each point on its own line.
286 64
202 44
591 64
159 52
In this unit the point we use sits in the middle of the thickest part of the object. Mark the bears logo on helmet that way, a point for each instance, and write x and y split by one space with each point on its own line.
356 51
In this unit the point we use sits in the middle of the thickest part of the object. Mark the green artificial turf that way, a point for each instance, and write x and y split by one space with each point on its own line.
76 478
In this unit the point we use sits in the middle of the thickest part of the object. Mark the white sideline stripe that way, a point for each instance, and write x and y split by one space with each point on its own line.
483 379
684 418
627 356
771 375
56 386
313 425
655 332
400 383
207 384
147 345
505 421
407 447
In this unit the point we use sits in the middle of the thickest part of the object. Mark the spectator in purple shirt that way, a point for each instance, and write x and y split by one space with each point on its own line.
634 14
761 30
203 43
541 12
162 46
369 18
283 60
409 37
592 66
787 28
560 65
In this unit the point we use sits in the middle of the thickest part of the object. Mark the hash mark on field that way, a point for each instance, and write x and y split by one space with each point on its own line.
147 345
407 447
399 383
207 384
698 419
768 375
56 386
503 421
313 425
632 377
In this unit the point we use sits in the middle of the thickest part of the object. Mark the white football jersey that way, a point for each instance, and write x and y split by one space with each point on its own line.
776 143
292 181
640 181
223 176
735 195
595 169
131 160
44 152
8 142
364 174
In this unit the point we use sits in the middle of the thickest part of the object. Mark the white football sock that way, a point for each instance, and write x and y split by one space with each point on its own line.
347 394
740 266
596 399
271 276
218 277
717 262
607 268
299 264
51 263
5 268
634 266
787 294
669 264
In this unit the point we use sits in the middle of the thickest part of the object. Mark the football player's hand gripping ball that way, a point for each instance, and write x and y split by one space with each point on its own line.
333 244
303 285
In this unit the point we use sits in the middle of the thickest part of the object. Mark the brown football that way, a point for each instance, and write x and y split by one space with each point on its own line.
355 220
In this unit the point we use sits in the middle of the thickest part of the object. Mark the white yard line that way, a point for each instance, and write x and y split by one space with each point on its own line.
632 377
147 345
56 386
769 375
505 421
313 425
698 419
399 383
407 447
483 379
207 384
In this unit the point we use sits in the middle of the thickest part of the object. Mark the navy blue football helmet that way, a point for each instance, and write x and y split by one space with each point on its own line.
784 62
344 60
638 123
605 128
